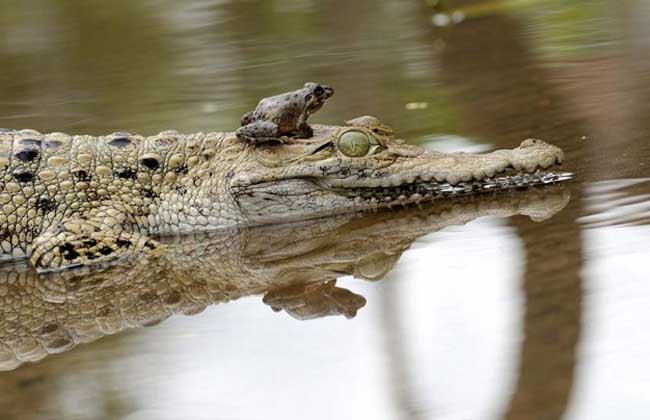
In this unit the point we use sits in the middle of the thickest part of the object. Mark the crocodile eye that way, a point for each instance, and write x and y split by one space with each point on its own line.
354 143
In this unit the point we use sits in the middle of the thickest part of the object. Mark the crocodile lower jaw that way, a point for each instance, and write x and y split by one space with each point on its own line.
418 190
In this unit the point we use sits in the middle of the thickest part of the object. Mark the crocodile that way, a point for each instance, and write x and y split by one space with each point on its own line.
78 201
293 265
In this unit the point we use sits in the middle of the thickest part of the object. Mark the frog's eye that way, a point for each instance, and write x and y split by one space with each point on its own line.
318 90
354 143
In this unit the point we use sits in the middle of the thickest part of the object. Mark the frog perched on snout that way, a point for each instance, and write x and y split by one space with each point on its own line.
283 115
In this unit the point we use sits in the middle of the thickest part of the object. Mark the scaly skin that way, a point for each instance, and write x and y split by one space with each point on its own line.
70 201
294 265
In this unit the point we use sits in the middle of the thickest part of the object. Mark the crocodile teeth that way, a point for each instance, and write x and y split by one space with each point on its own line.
453 179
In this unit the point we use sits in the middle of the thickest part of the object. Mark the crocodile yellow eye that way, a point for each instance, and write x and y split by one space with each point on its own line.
354 143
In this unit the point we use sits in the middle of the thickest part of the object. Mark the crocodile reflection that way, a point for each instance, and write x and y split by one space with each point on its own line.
295 267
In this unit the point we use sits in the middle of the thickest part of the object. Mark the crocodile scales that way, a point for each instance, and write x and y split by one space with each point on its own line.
69 201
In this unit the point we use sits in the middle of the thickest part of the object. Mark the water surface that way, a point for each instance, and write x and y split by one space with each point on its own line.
503 317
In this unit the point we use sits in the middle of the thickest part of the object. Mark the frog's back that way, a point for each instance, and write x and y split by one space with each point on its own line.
280 107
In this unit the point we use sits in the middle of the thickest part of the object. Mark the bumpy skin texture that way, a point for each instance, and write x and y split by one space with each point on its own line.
69 201
75 200
284 115
293 265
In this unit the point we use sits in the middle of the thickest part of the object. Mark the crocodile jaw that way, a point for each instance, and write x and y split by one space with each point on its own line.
412 178
453 168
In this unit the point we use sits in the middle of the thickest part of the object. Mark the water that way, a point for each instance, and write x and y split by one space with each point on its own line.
482 312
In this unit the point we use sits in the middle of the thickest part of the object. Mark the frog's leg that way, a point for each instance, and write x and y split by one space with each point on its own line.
259 132
304 131
94 238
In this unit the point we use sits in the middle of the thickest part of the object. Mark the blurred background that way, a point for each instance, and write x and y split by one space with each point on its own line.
501 318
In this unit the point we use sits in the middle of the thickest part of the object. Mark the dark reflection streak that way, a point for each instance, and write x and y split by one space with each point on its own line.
508 99
403 388
553 289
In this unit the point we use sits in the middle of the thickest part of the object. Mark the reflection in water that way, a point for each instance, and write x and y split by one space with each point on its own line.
62 72
612 372
618 202
471 306
552 320
613 364
246 355
305 301
293 264
574 73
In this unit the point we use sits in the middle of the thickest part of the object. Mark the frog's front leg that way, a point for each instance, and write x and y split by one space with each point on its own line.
304 131
259 132
91 239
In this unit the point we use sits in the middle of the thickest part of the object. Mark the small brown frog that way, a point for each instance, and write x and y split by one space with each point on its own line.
283 115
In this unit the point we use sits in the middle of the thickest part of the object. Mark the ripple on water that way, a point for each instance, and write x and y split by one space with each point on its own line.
617 202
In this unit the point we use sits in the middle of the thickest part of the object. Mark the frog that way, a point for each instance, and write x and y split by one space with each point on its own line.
279 117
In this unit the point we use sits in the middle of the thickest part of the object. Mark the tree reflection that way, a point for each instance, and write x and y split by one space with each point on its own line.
510 98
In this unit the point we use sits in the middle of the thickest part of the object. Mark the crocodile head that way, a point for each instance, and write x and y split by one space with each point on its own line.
362 165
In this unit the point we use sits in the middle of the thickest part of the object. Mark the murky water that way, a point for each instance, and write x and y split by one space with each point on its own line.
525 306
